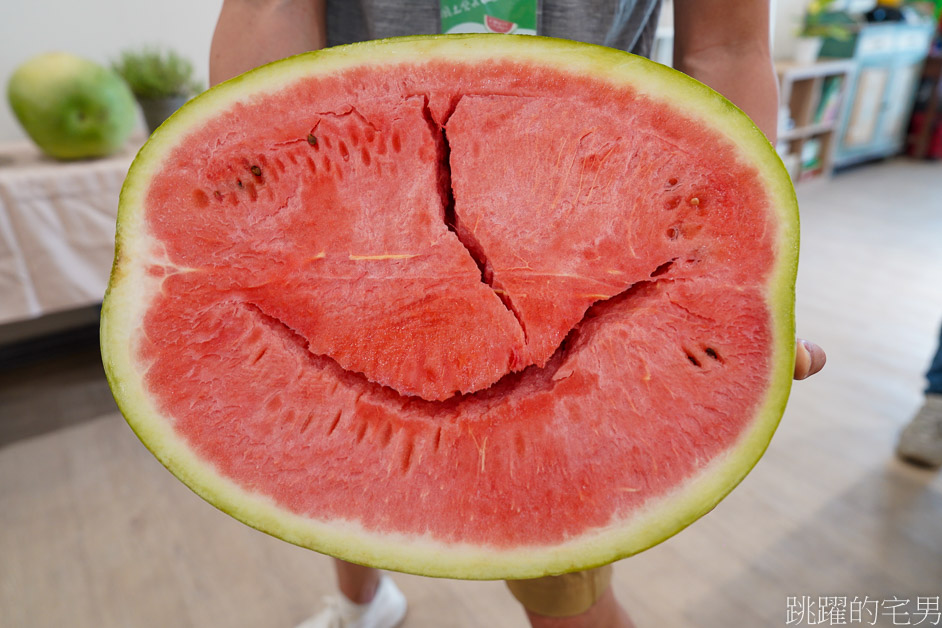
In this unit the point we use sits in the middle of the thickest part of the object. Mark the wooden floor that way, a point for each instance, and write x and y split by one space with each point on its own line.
95 533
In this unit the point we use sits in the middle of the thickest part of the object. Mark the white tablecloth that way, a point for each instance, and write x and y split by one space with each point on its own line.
57 225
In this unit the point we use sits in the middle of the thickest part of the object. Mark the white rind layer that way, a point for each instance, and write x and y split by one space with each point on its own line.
128 296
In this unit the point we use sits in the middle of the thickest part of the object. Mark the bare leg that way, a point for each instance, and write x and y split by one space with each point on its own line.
606 613
356 582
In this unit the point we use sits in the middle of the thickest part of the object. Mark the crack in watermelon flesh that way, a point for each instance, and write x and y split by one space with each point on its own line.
477 305
467 239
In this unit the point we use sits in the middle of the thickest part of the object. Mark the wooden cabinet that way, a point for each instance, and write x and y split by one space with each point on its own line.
889 59
811 98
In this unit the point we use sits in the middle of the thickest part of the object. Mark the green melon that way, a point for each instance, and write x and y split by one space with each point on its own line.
463 306
72 108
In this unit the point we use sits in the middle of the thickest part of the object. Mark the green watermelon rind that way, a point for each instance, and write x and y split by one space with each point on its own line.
125 303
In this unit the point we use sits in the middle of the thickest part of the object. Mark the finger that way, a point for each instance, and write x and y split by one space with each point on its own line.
809 359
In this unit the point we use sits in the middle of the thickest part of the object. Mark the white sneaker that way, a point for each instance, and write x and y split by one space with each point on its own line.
387 609
921 441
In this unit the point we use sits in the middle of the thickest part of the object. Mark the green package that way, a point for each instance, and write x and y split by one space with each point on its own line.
519 17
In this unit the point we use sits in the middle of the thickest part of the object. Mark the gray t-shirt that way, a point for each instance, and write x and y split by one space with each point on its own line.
624 24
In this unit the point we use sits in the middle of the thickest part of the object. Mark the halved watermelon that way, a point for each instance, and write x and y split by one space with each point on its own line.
464 306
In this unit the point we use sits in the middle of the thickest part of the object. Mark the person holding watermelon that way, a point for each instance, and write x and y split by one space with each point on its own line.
723 43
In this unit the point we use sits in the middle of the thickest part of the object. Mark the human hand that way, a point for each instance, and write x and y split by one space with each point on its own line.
809 359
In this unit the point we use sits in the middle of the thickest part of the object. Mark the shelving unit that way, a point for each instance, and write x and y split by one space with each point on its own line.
811 98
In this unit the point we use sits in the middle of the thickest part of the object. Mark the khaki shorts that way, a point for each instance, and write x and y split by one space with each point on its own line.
562 596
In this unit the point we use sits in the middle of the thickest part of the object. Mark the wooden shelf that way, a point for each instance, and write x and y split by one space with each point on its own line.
806 131
810 98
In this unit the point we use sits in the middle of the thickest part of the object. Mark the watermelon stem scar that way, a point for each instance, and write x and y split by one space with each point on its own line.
466 306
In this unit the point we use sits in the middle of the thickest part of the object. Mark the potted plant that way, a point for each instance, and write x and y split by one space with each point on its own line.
160 80
816 26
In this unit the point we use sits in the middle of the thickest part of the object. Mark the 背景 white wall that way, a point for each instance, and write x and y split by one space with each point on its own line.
99 30
785 20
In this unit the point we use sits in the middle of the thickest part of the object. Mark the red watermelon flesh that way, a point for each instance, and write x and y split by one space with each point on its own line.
453 317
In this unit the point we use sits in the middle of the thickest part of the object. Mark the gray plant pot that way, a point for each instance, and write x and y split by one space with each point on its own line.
159 109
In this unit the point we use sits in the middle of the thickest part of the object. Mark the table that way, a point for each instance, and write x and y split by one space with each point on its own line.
57 222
